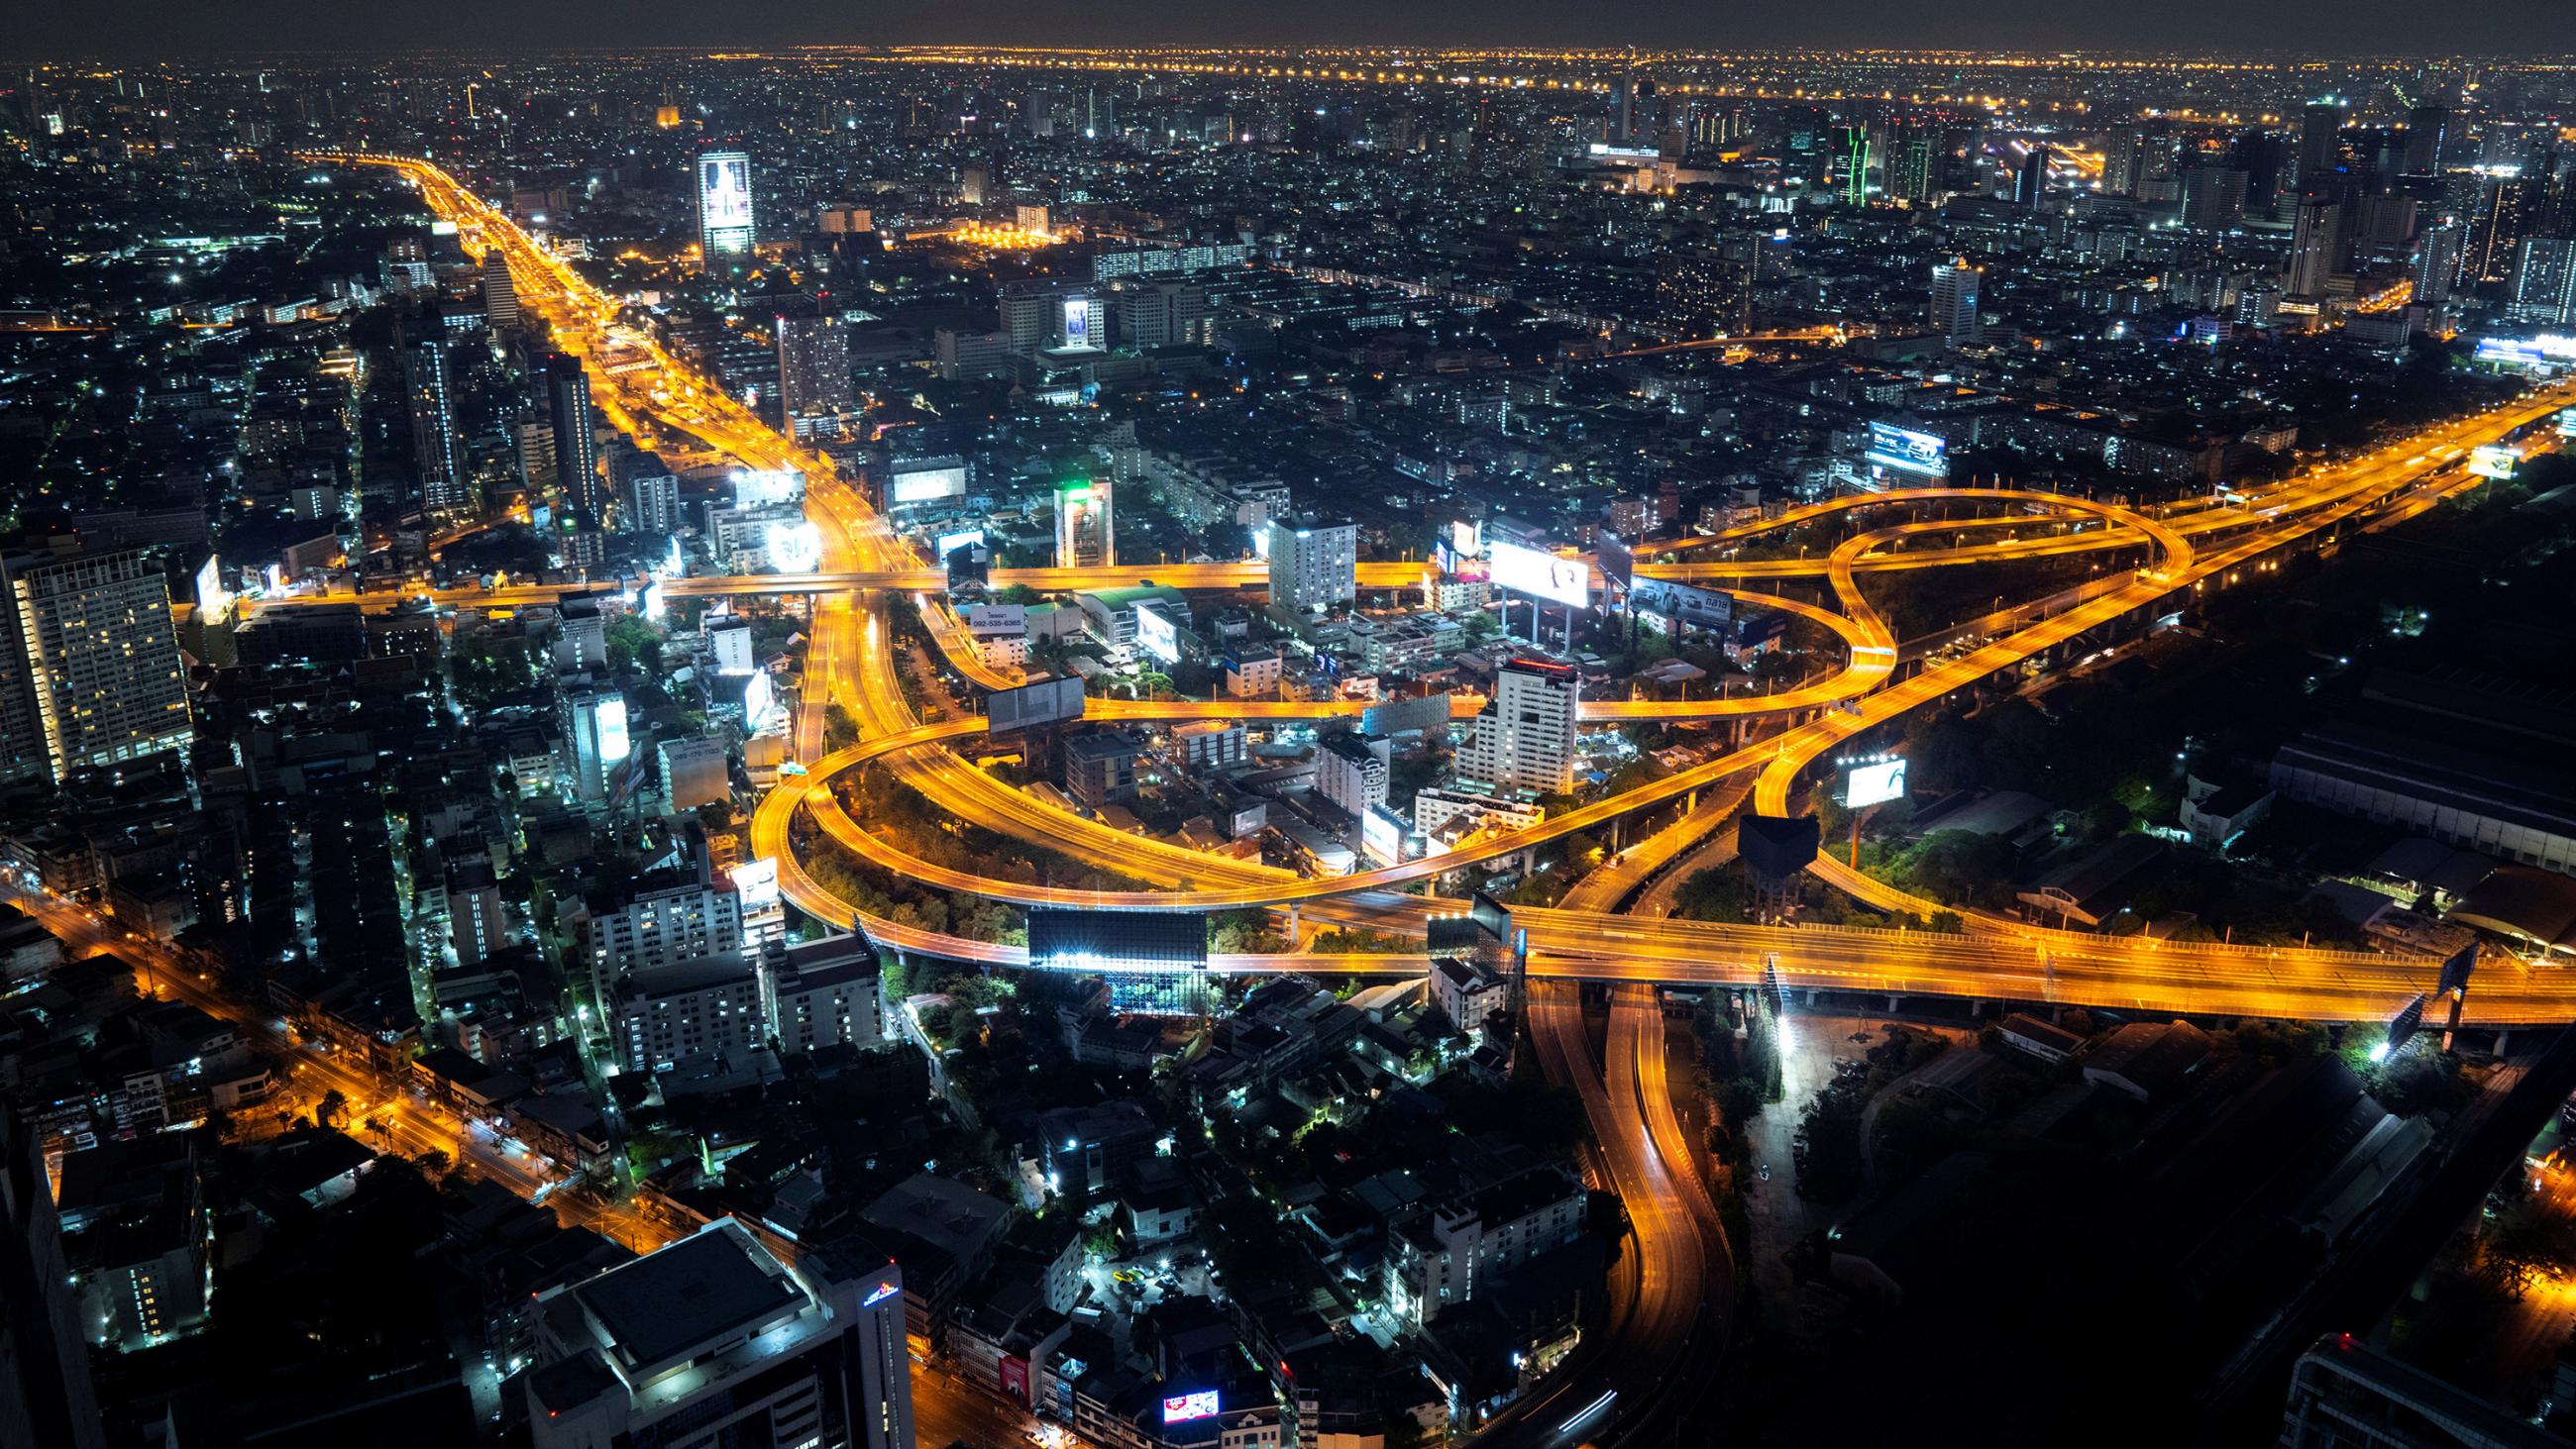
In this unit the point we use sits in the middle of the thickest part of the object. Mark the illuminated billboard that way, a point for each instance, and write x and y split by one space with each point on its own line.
1528 571
1467 539
2567 422
948 543
793 548
1077 323
2495 460
1683 604
1903 450
2548 350
1381 836
1874 784
1181 1408
760 487
925 485
611 722
1156 636
755 883
724 202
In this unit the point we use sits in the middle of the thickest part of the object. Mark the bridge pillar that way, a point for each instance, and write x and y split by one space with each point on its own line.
2504 1040
1894 1004
1295 936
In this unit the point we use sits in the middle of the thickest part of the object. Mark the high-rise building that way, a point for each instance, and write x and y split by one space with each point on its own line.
1155 314
2030 183
1313 566
723 196
813 368
713 1340
1524 738
595 740
576 434
2213 197
2345 1394
500 291
1352 771
45 1392
1913 165
1852 159
1085 536
2425 126
2544 281
428 375
2437 262
1954 302
2320 139
2314 241
2508 209
91 663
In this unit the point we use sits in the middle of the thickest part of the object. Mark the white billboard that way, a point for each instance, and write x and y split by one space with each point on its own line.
611 724
1905 450
1045 702
1528 571
793 548
2495 460
1381 836
924 485
724 201
755 883
1874 784
760 487
948 543
1180 1408
1156 636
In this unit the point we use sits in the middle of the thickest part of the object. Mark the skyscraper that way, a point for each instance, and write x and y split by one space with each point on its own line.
92 661
2213 197
2320 138
813 368
2437 262
723 196
500 292
2030 183
714 1340
1954 302
2314 240
2425 126
1913 164
1313 566
1851 165
1084 536
1524 738
576 433
429 376
2544 281
45 1392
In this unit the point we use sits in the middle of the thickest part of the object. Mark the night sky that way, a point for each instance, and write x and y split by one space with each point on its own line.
205 27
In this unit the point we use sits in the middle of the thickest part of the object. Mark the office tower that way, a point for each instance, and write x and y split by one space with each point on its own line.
2437 262
429 375
92 666
2124 161
1851 165
813 368
2320 139
576 434
2544 281
1954 302
1164 314
2314 240
595 743
2262 157
975 185
1524 738
2425 126
1313 566
1913 165
714 1340
1084 536
500 291
2213 197
2507 204
1623 113
2030 183
45 1392
723 196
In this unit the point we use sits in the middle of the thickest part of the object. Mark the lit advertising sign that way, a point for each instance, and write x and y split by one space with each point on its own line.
881 1293
2549 349
2494 460
755 884
793 548
948 543
1904 450
611 718
724 201
1182 1408
1683 603
214 601
1381 836
1156 636
1874 784
924 485
1528 571
760 487
2567 422
1077 322
1467 539
760 706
